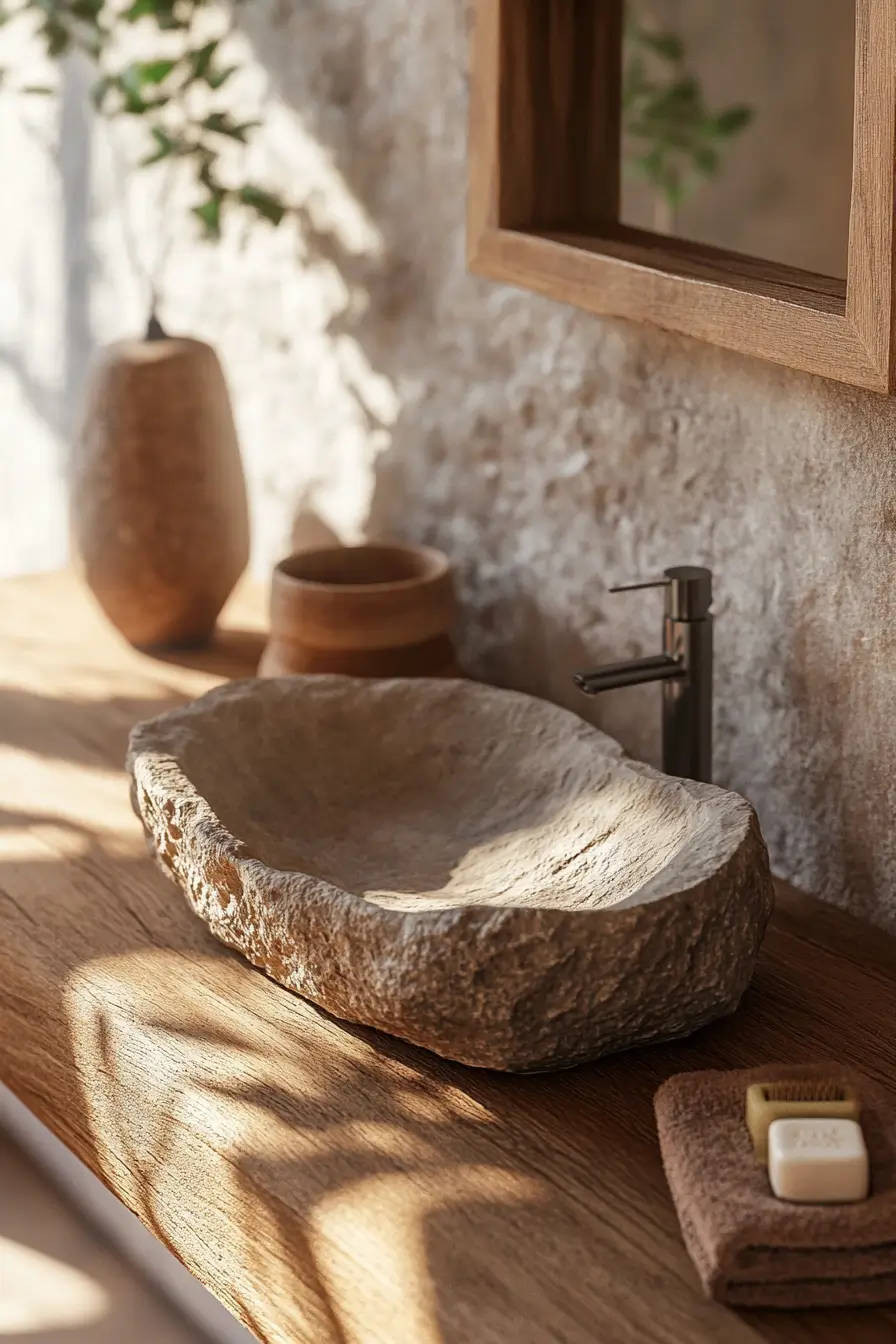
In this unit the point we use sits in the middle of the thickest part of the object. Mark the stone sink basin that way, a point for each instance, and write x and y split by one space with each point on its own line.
473 870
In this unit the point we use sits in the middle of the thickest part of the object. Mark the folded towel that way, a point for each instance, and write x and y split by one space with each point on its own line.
751 1249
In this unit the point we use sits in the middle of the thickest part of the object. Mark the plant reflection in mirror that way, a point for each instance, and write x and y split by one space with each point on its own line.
677 141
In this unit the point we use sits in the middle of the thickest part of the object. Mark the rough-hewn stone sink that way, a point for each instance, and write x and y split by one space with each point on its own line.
474 870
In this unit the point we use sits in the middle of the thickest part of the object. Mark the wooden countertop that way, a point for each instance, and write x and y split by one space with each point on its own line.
329 1185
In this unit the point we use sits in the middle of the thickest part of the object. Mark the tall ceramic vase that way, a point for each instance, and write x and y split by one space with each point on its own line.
159 521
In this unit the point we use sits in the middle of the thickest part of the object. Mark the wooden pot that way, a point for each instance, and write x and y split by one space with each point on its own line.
159 520
367 611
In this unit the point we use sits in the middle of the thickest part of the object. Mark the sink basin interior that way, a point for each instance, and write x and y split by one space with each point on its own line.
404 810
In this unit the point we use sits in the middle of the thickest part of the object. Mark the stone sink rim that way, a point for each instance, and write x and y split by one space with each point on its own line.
176 815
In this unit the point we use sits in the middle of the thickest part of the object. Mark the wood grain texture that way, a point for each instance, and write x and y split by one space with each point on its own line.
526 226
870 270
371 611
331 1185
559 88
746 314
698 261
483 128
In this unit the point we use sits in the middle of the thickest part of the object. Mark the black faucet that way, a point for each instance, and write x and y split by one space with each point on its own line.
684 667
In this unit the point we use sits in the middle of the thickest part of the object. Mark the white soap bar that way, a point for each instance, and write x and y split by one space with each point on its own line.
817 1161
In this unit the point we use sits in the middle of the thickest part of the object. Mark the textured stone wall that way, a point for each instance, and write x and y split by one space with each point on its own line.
379 387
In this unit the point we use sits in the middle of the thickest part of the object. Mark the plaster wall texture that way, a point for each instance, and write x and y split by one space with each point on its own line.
380 389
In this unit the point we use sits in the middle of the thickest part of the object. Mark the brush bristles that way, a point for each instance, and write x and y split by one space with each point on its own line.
808 1089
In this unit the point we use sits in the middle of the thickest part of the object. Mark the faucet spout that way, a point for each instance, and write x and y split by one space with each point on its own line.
633 672
684 668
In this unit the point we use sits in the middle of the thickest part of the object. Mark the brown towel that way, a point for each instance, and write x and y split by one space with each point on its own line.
751 1249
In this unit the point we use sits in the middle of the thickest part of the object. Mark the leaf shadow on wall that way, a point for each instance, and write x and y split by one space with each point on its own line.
363 89
330 70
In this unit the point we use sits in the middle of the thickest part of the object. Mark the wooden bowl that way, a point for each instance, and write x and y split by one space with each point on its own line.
378 610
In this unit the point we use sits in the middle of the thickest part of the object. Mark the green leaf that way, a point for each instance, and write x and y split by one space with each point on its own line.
216 78
667 134
40 90
138 76
221 123
685 91
86 9
134 103
733 120
164 147
651 167
205 172
706 159
57 38
202 58
142 73
162 11
667 45
263 203
209 214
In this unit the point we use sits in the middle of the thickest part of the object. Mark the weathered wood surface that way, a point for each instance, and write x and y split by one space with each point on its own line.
330 1185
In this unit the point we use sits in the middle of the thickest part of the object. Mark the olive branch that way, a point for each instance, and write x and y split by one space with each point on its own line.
180 96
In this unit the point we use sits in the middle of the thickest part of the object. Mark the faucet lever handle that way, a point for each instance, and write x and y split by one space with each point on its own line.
633 587
688 591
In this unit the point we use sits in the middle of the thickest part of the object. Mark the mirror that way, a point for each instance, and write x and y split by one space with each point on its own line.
737 126
723 171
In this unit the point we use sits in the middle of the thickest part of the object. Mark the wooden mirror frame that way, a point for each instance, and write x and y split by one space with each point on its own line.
544 188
